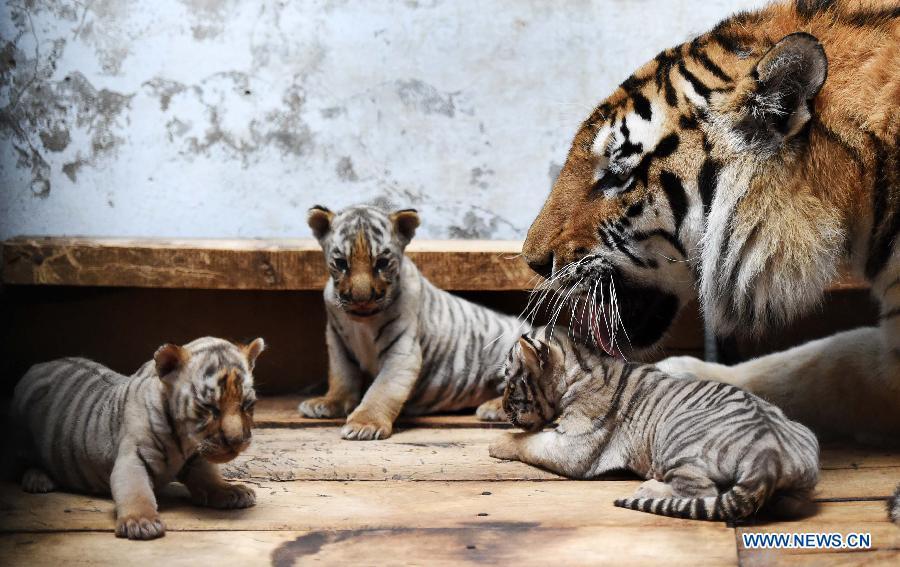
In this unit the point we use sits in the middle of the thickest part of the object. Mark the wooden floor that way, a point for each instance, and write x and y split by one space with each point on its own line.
432 495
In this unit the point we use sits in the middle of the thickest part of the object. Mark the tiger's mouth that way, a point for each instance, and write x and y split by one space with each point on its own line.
217 453
613 312
363 312
631 318
527 421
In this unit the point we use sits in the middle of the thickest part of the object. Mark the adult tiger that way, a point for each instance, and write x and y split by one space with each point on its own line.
746 166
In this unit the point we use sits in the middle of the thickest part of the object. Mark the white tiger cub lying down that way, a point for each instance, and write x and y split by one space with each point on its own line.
710 451
422 349
83 427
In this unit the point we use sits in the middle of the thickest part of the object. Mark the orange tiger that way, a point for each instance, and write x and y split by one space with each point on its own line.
743 168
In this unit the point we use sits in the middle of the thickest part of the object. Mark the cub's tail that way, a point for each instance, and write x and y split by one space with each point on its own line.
743 499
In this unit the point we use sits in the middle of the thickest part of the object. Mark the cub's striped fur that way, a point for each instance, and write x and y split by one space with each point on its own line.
710 451
419 348
83 427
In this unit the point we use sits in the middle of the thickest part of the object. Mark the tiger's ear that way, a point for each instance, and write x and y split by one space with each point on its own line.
319 220
169 358
253 350
405 223
783 84
530 355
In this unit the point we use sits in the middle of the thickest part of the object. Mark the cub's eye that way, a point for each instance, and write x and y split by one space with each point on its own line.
248 406
209 409
381 264
340 264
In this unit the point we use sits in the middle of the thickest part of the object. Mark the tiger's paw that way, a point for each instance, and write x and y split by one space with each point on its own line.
325 407
504 448
225 497
365 427
491 410
136 526
37 481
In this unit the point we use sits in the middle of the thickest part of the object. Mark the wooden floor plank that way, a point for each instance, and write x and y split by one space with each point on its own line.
832 517
378 504
871 482
319 505
877 558
415 454
457 454
846 457
521 543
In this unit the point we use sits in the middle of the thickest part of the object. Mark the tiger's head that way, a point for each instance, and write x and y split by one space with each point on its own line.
661 188
363 248
209 390
533 373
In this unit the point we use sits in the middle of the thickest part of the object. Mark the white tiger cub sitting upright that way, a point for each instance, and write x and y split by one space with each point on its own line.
420 349
83 427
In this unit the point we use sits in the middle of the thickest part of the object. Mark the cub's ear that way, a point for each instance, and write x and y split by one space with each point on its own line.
169 358
531 355
405 223
252 351
784 82
319 220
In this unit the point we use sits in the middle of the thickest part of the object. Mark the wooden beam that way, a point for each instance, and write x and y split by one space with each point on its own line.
243 264
252 264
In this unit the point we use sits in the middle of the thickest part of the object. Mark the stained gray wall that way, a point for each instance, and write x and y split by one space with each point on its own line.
221 118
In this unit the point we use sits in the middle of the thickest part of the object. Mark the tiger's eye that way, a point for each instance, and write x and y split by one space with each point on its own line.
381 264
341 264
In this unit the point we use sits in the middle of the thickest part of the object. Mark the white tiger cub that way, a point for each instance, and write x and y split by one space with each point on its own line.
423 349
709 451
83 427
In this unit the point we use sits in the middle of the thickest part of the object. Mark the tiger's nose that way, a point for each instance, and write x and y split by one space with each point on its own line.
233 431
542 266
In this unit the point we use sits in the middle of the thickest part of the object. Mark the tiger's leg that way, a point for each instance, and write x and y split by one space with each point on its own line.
208 488
344 382
132 491
690 481
568 455
374 417
846 386
491 410
686 481
37 481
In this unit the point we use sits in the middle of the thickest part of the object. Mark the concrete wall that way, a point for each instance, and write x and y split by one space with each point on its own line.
226 118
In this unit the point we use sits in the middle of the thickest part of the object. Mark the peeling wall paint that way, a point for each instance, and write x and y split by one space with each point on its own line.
221 118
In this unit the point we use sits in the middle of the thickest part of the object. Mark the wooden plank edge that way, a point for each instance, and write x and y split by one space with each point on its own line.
254 264
243 264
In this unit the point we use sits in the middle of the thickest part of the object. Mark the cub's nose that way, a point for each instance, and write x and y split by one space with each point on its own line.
542 266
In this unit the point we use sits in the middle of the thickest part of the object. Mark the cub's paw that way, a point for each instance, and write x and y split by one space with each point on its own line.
504 448
491 410
37 481
653 489
323 407
225 497
135 526
365 428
